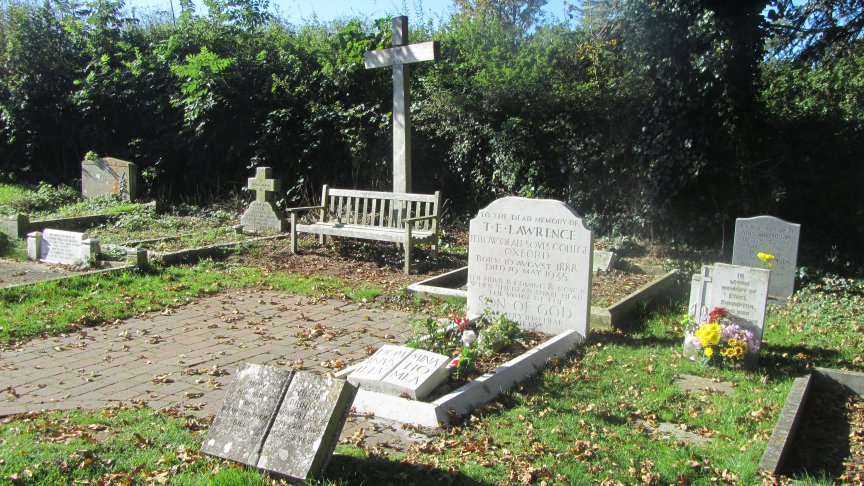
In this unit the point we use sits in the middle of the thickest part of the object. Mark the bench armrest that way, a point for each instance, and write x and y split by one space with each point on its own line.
303 208
419 218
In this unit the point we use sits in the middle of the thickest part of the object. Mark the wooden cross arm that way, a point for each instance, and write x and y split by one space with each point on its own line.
426 51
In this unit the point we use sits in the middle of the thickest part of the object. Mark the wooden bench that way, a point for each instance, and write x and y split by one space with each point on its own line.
370 215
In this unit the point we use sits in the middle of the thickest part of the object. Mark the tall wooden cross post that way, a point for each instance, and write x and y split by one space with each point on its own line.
399 56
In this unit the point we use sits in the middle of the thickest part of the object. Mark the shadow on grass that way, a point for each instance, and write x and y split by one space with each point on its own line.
781 362
345 469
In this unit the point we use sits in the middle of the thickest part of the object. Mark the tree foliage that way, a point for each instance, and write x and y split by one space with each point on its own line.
656 118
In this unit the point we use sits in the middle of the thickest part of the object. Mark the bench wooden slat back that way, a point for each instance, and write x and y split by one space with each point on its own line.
381 209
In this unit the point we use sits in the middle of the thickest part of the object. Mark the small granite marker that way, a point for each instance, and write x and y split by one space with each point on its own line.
767 234
247 412
372 370
307 426
262 215
530 259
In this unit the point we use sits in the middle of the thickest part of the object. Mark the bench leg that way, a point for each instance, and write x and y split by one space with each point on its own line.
293 233
408 258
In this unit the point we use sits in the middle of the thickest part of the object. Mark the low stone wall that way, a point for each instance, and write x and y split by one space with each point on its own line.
19 226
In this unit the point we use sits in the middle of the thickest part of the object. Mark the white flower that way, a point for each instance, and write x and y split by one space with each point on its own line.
468 337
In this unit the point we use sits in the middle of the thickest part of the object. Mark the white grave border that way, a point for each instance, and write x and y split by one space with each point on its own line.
464 399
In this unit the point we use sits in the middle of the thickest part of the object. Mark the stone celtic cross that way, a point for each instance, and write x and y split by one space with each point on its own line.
263 185
399 56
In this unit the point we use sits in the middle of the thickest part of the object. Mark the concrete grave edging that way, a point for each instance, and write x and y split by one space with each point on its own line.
787 424
478 392
601 317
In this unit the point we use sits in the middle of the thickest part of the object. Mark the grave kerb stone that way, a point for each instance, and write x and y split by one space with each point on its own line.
530 259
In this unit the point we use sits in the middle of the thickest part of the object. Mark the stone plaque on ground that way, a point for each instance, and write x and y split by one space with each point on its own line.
372 370
262 214
307 426
767 234
743 291
247 412
417 375
107 175
57 246
530 259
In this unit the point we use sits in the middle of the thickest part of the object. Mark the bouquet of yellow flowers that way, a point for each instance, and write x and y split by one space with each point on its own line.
718 341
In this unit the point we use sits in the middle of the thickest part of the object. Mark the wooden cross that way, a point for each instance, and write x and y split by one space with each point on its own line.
263 185
399 56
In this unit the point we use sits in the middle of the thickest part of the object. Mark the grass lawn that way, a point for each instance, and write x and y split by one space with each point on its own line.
582 420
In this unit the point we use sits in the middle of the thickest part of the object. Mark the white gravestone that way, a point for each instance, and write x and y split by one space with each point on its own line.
530 259
398 370
262 214
57 246
107 175
743 291
400 56
767 234
603 261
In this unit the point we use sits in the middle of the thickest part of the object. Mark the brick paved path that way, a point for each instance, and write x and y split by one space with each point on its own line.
164 359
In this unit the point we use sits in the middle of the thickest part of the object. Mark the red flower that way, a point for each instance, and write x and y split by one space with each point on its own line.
717 313
462 323
454 363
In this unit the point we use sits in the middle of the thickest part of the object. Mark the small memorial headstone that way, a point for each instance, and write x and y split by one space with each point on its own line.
603 260
372 370
307 426
247 412
107 175
417 375
530 259
401 371
262 214
57 246
767 234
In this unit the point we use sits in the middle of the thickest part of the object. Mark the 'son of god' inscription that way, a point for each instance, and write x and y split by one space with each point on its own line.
531 260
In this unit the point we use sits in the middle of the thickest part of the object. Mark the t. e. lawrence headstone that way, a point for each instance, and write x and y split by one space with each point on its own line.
262 215
767 234
530 259
107 175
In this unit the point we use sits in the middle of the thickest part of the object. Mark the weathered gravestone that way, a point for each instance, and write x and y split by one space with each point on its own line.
400 370
743 291
57 246
400 56
603 260
284 422
250 404
262 214
307 426
107 175
767 234
700 291
530 259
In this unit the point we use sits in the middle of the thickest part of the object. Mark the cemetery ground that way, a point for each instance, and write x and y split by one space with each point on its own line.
608 413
